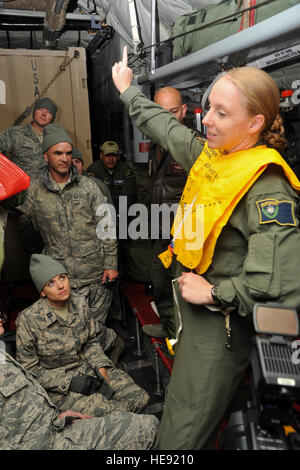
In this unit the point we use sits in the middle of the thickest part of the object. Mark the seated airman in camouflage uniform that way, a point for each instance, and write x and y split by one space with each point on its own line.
30 421
56 339
62 206
23 144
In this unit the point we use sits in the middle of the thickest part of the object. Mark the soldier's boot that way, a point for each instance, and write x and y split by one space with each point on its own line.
155 330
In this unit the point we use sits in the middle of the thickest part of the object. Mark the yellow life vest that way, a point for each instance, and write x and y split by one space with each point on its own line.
215 185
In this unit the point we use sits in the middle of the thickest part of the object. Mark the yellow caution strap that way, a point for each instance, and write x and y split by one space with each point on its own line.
166 257
288 430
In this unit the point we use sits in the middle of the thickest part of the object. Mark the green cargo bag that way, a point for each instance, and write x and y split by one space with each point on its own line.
196 40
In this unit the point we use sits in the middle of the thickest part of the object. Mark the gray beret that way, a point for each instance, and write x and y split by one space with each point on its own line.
54 134
43 268
47 104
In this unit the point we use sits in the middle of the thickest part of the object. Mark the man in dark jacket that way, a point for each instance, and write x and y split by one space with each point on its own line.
115 173
168 180
77 160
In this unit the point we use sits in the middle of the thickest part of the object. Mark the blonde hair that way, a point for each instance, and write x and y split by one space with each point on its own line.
262 96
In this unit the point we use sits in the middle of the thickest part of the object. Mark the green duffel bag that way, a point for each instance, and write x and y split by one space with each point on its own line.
196 40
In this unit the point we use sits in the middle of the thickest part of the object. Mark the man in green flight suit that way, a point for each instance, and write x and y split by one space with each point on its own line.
77 161
120 178
168 180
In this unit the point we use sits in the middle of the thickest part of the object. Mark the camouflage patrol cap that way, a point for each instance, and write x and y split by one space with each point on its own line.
77 154
54 134
43 268
46 103
110 147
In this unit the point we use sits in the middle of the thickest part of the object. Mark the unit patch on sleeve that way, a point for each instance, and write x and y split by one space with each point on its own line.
271 210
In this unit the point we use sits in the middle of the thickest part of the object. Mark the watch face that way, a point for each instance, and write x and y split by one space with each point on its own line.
215 291
214 294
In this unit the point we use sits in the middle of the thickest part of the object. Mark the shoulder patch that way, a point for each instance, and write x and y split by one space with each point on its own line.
280 212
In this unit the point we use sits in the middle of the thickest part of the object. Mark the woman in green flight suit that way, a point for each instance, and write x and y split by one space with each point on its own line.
250 250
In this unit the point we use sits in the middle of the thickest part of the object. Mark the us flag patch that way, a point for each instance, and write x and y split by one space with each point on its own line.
280 212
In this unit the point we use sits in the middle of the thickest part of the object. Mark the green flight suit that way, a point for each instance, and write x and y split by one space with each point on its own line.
102 186
253 262
121 181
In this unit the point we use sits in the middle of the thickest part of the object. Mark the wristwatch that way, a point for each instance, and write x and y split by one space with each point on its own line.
215 295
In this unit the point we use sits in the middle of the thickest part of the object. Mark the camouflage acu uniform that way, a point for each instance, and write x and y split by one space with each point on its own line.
102 186
24 147
29 420
57 349
67 221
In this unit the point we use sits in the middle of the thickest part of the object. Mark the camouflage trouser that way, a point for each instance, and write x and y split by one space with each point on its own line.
127 397
99 298
117 431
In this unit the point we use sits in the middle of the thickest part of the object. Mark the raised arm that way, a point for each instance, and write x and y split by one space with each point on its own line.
122 75
154 121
